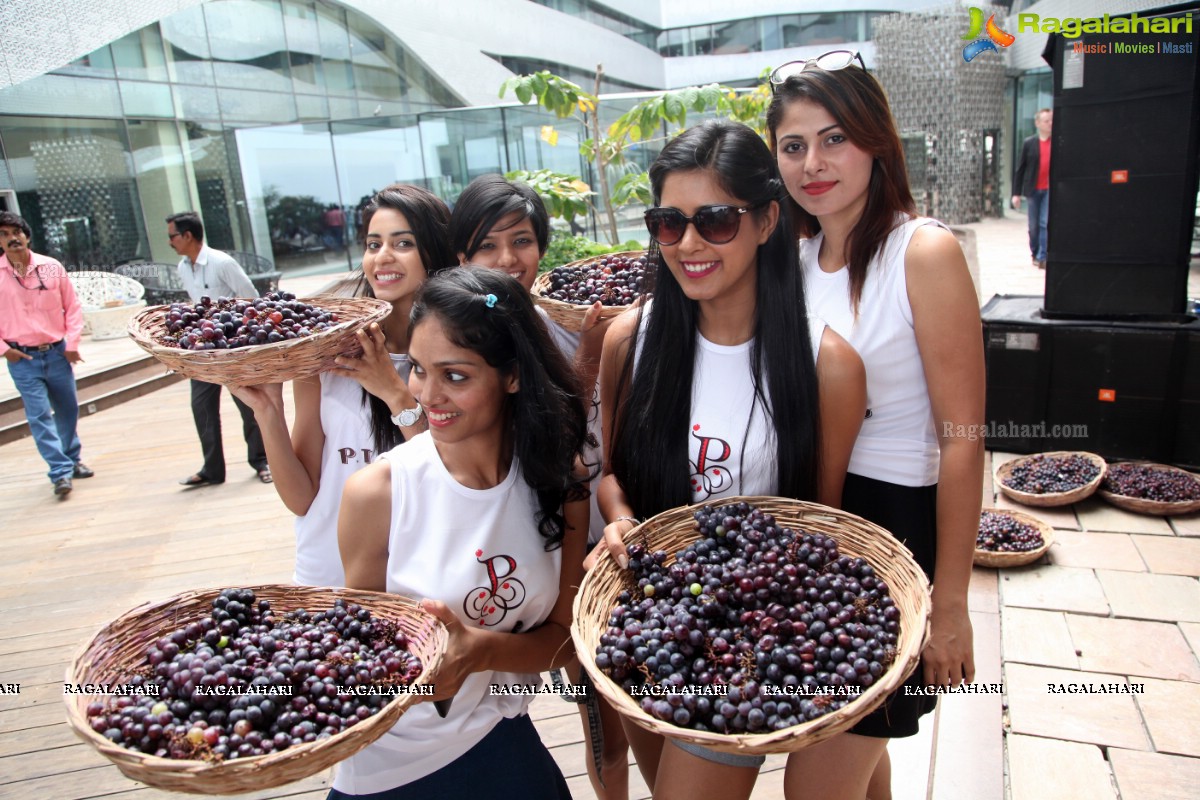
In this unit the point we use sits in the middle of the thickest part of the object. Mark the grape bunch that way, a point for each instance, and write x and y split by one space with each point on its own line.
1043 474
243 682
614 280
750 627
1002 533
228 324
1145 482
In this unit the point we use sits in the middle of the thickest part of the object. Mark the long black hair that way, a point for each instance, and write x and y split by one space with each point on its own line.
650 441
429 219
487 200
547 424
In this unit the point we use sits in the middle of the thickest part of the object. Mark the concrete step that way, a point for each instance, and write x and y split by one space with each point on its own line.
96 392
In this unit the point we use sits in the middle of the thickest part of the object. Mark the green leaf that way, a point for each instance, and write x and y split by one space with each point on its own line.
524 93
674 109
554 101
538 83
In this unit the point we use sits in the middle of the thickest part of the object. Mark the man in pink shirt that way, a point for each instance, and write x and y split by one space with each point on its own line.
40 325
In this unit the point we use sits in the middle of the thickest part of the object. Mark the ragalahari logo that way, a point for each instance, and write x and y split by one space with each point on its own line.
995 36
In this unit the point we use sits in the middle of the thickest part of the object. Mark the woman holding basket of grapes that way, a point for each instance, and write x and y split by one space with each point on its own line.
482 516
721 385
364 407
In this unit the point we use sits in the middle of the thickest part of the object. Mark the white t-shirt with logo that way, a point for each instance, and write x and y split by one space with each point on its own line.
732 446
346 422
479 552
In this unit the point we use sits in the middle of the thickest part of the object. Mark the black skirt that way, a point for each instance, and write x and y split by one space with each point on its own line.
910 514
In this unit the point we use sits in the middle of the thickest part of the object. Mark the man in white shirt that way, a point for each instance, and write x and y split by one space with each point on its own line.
211 273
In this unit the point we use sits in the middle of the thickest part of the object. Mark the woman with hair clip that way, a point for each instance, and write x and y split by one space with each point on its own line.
897 287
481 516
503 225
722 385
346 416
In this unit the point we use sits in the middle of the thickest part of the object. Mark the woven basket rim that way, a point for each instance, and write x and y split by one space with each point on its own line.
276 768
1158 508
909 645
995 559
222 366
1051 499
564 313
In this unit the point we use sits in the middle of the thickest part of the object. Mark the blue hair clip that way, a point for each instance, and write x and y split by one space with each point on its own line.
490 299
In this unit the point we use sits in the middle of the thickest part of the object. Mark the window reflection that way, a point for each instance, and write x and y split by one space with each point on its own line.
248 48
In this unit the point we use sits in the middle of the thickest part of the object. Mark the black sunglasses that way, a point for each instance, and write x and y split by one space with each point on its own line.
716 224
830 62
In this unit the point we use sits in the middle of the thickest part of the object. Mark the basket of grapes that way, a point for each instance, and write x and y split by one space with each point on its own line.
270 339
615 280
754 625
1058 478
1010 538
227 691
1156 489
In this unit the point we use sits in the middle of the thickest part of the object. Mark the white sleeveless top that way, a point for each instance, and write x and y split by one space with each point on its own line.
897 443
346 422
726 455
479 552
593 454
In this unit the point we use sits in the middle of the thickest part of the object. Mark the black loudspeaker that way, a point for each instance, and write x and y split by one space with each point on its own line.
1126 390
1123 171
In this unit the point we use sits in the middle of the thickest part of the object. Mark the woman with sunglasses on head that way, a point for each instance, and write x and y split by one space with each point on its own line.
346 416
503 225
483 518
721 385
897 287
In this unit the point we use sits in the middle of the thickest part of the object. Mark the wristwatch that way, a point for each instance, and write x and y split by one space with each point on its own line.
407 417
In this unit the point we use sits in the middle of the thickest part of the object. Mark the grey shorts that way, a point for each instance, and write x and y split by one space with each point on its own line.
716 757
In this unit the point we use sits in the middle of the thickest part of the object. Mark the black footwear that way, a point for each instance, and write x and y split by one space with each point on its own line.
193 481
82 470
264 475
62 487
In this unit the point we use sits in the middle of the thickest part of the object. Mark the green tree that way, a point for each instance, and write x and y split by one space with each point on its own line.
654 119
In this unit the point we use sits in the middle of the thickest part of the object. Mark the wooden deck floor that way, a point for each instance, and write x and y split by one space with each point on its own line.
132 535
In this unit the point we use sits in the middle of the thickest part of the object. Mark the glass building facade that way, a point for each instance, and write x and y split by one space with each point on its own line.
170 118
263 115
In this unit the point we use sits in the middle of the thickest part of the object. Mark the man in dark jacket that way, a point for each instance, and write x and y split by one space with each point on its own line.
1032 180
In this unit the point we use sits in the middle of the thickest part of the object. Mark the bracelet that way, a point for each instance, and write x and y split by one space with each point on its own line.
635 522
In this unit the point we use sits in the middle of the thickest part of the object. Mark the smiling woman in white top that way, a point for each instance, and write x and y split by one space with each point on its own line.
896 286
483 518
345 417
723 385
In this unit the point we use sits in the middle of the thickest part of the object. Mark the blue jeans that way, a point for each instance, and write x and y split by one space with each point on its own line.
46 382
1038 209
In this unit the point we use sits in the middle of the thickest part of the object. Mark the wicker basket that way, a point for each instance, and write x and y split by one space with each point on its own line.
120 647
675 529
264 363
570 315
1051 499
1157 508
992 558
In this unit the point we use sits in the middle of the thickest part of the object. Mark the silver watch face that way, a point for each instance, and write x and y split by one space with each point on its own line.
409 416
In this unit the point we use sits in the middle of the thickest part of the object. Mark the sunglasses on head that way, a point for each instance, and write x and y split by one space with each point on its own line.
830 62
716 224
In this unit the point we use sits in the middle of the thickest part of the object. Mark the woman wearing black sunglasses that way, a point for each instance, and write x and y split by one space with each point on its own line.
722 385
896 286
